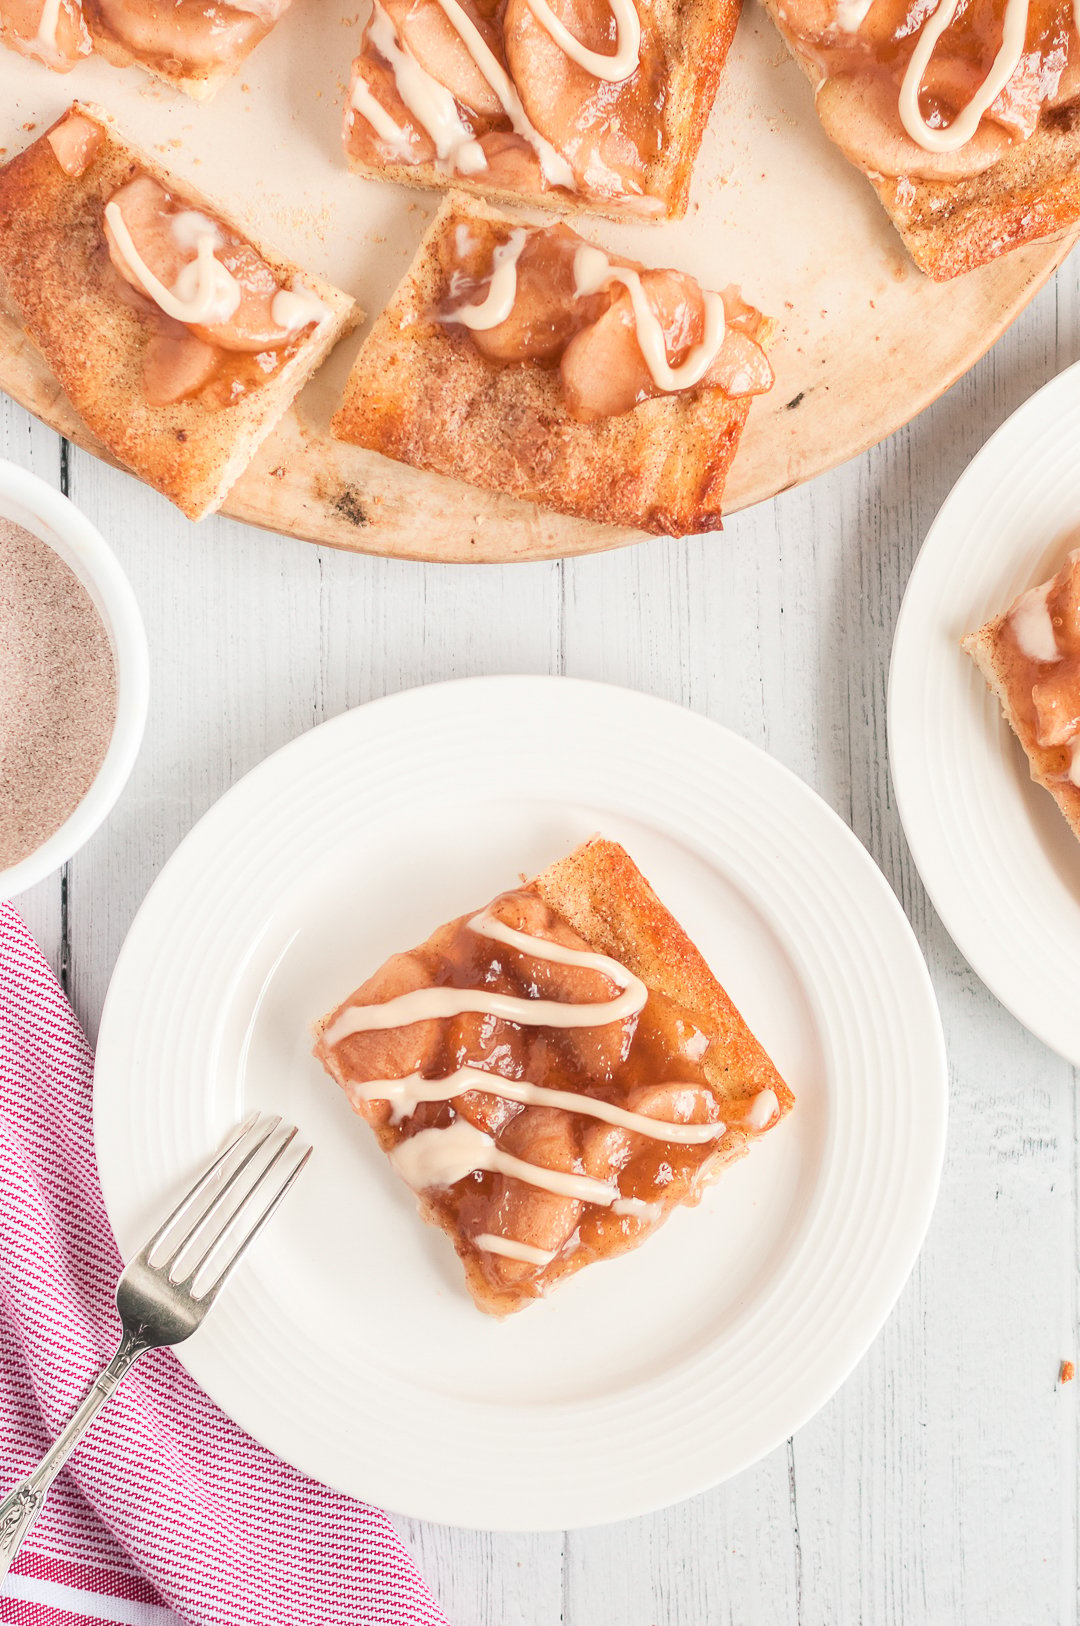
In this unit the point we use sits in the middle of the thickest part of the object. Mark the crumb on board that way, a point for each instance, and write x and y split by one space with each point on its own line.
1067 1373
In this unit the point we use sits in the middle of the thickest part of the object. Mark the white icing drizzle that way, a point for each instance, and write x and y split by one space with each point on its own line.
205 291
851 14
966 122
297 307
47 26
389 132
405 1095
498 302
594 271
1073 774
510 1249
542 948
440 1157
430 103
614 68
188 225
556 170
427 1004
1032 626
763 1109
267 11
636 1208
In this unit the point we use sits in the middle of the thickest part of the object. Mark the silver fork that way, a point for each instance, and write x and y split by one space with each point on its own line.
155 1309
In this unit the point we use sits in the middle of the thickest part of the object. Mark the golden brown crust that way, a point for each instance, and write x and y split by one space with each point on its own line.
982 646
950 227
1032 193
53 273
695 37
602 895
201 86
422 393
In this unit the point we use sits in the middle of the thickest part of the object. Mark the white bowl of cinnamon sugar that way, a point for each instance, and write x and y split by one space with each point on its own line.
74 679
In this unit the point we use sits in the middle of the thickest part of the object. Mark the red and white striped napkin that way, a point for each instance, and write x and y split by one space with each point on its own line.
167 1513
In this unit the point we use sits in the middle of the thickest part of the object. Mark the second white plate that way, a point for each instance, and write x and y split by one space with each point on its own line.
348 1344
998 860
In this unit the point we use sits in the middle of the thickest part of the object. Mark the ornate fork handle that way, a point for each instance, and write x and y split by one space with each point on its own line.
20 1507
163 1303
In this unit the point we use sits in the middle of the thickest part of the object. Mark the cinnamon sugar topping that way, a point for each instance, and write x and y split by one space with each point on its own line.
57 692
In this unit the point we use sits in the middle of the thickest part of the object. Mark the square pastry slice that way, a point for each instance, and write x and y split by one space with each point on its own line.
1030 657
524 360
193 44
553 1075
965 117
178 340
595 104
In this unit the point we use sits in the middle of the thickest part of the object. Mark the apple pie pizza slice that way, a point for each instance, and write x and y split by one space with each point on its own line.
596 104
525 360
177 339
193 44
553 1075
963 114
1030 657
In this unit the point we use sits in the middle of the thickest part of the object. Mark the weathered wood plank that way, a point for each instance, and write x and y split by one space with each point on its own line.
481 1576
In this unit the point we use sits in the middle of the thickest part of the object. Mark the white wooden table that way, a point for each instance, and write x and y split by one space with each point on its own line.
941 1484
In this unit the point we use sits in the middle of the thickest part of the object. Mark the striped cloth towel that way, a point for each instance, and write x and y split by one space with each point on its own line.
167 1513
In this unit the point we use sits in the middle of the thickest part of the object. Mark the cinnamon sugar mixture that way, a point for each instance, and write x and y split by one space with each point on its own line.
57 692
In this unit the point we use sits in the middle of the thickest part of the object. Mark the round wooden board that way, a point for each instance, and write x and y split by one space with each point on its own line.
864 340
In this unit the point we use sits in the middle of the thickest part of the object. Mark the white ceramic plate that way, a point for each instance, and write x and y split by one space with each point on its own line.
998 860
349 1345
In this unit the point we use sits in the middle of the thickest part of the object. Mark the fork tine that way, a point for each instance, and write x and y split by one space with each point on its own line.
227 1269
186 1203
215 1208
